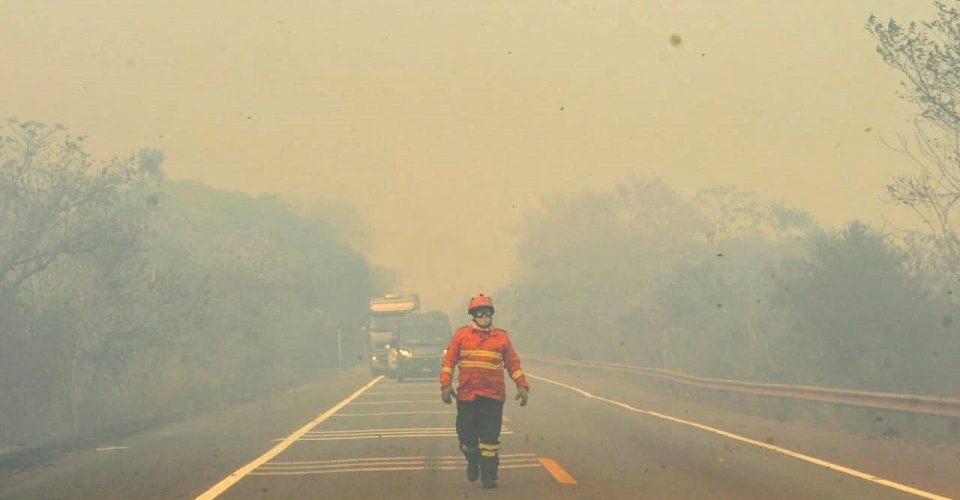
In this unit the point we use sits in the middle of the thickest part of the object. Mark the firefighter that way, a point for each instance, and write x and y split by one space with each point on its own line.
483 352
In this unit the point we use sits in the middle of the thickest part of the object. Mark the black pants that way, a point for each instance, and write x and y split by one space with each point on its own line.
478 427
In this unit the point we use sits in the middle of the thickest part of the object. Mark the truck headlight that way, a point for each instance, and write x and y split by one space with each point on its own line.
405 353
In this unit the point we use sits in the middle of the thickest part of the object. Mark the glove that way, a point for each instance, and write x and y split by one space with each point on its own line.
447 394
522 395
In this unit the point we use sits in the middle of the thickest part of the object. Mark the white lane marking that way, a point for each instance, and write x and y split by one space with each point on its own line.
351 431
410 462
427 466
380 393
397 413
382 433
381 469
393 402
374 459
232 479
112 448
790 453
374 434
387 436
397 436
384 436
386 431
378 434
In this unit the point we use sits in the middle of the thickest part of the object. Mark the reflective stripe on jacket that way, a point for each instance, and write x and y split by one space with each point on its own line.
482 356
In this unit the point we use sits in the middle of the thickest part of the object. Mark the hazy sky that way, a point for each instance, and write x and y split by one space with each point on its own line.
441 122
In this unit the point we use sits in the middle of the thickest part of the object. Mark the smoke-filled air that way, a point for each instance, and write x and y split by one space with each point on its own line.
552 249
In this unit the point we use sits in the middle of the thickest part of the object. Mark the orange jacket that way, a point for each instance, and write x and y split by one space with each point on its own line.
482 356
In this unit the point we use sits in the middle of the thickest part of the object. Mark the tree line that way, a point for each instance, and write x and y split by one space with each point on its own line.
126 298
722 285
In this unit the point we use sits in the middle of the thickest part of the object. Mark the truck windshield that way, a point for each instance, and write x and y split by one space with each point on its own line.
424 334
385 322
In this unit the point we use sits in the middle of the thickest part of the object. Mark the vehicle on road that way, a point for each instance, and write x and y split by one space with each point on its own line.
385 314
417 348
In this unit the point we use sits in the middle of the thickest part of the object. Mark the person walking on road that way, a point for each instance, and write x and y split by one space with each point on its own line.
482 352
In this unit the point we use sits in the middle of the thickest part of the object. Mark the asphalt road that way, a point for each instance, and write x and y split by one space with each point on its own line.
584 434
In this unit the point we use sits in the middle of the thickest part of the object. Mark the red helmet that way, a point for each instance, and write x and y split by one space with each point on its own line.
478 302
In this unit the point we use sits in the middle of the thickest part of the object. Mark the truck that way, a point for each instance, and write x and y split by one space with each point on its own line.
418 346
384 316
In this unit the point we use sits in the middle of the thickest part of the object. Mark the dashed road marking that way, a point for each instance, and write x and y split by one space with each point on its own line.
557 472
387 464
383 434
353 431
790 453
381 393
394 402
237 475
396 413
385 469
375 459
386 436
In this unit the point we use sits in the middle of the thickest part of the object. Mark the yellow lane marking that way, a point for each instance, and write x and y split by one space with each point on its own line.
232 479
558 473
790 453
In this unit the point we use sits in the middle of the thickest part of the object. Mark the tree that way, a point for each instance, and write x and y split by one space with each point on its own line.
54 202
591 259
125 299
927 54
731 212
858 319
717 302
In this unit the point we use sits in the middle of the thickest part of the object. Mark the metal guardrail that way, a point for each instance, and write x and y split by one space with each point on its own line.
911 403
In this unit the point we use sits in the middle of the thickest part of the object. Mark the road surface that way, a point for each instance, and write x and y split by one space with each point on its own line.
584 434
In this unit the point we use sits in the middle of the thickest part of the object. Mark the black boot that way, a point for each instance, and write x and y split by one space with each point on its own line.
473 462
473 466
488 471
